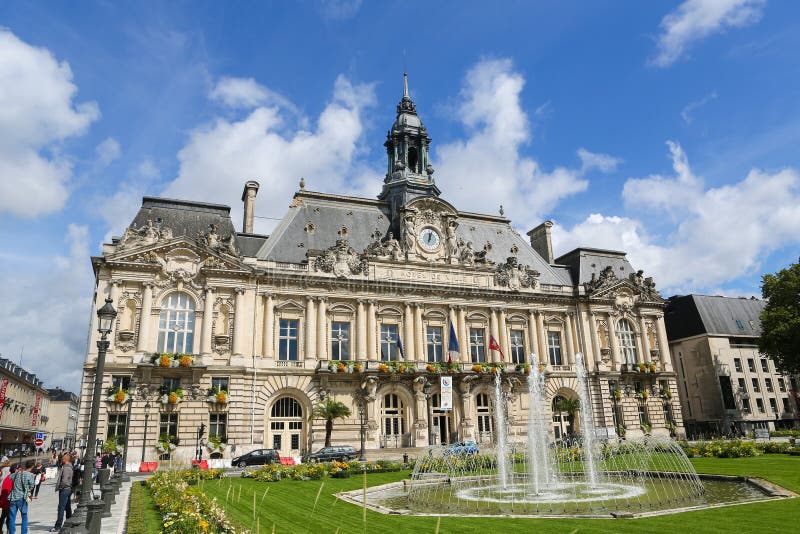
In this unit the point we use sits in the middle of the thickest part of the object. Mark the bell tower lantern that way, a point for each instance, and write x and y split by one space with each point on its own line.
409 173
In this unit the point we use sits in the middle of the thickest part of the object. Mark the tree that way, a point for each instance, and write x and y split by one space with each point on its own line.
571 407
330 410
780 318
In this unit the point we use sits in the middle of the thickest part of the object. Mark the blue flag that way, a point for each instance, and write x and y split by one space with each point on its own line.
400 348
453 349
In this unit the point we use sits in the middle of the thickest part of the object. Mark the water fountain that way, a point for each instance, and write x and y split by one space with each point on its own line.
582 476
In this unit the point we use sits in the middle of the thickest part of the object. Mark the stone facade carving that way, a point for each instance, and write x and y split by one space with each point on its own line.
149 234
341 260
607 278
223 245
515 276
646 286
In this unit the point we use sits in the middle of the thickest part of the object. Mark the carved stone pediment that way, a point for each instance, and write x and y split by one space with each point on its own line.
341 260
623 290
148 234
515 276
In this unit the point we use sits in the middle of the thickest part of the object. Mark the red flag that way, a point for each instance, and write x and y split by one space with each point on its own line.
493 345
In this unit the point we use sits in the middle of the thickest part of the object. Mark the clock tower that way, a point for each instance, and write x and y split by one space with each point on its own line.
409 174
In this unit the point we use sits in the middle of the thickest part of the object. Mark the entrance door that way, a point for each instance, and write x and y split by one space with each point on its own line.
286 427
441 422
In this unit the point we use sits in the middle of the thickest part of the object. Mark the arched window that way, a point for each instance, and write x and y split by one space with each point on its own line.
561 421
287 407
484 413
413 159
627 341
176 324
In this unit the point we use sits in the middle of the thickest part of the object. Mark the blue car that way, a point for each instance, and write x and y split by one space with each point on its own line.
462 447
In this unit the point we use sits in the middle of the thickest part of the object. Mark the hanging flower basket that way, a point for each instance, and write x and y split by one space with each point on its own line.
165 360
172 397
383 368
357 367
617 394
524 368
117 395
185 360
653 368
477 368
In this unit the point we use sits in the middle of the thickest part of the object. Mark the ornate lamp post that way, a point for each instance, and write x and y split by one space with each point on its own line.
146 418
362 414
123 471
105 316
201 430
427 391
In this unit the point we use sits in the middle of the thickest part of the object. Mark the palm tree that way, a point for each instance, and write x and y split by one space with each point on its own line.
330 410
571 407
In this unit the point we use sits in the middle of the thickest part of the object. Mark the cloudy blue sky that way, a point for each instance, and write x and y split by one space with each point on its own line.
667 129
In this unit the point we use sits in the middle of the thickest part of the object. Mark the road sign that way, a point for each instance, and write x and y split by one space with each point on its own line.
40 435
38 442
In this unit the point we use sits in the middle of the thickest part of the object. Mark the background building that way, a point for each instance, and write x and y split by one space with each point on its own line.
725 383
63 418
24 407
367 301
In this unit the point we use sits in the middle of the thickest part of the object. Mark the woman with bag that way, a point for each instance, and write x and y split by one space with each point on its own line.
5 504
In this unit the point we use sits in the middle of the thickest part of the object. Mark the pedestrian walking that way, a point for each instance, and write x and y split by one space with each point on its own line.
22 486
39 474
64 489
5 504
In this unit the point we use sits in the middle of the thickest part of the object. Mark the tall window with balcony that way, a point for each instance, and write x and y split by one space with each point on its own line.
477 345
517 340
340 341
433 335
117 425
168 425
218 425
176 324
627 341
484 412
287 339
389 337
554 347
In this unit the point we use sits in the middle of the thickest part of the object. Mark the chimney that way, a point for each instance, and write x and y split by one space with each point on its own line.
249 199
541 241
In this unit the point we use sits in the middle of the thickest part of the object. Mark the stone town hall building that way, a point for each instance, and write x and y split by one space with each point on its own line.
353 299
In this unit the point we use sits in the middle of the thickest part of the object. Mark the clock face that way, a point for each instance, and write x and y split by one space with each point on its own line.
429 239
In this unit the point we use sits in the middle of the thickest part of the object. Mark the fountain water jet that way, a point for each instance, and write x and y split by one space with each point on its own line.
501 437
588 432
541 462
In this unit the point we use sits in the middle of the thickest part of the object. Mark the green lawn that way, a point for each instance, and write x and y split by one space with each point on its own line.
143 518
301 506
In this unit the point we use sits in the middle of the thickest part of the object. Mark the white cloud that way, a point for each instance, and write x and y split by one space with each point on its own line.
723 234
46 307
491 159
264 145
37 112
339 9
686 112
107 151
695 20
246 93
119 209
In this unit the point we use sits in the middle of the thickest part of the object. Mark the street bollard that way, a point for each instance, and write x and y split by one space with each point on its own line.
103 475
95 516
107 492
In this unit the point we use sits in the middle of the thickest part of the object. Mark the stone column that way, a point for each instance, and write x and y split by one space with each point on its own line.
408 334
361 334
503 335
543 356
322 328
208 321
644 341
492 355
663 345
113 294
598 357
372 345
311 329
533 347
269 326
612 341
238 323
463 335
568 335
419 334
143 343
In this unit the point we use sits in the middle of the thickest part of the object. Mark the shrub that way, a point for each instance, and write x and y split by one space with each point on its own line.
785 434
185 509
735 448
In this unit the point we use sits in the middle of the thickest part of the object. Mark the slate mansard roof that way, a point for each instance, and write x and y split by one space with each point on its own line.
692 315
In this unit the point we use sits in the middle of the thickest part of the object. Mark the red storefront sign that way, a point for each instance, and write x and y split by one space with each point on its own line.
35 418
3 389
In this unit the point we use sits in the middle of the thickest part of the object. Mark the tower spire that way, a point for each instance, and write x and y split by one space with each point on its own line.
405 84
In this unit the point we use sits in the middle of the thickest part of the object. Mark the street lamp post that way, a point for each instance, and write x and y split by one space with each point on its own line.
427 390
201 430
105 316
124 470
362 414
146 418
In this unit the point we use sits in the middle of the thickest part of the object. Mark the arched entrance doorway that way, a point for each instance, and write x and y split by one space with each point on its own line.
287 430
393 421
442 421
565 411
484 412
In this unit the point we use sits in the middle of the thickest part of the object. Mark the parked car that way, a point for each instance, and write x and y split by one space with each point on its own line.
341 453
462 447
257 457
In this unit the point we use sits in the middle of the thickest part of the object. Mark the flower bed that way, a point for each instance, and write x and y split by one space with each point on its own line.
720 448
185 509
277 472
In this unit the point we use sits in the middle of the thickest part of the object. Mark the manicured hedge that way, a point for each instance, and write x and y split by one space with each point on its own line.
277 472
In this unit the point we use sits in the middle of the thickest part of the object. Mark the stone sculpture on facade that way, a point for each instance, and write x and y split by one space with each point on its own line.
515 276
148 234
212 240
606 278
341 260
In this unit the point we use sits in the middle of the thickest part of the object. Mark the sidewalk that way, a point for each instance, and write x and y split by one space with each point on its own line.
42 511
